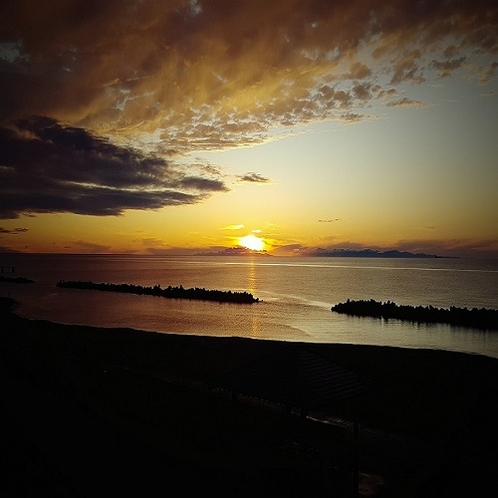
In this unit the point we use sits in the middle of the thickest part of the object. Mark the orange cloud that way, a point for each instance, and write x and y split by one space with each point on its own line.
210 74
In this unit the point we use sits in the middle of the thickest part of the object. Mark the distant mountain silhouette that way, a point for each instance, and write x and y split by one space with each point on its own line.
320 252
367 253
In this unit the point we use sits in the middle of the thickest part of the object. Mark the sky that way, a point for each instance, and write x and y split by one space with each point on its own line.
295 127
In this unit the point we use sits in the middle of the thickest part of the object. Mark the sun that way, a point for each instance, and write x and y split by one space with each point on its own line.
252 242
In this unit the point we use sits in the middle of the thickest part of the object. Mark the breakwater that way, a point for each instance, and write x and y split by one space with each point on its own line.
170 292
476 318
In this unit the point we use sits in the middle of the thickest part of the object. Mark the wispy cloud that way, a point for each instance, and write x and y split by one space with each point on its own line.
406 102
486 74
447 67
253 178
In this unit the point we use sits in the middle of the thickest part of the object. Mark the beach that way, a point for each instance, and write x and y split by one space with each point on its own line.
90 411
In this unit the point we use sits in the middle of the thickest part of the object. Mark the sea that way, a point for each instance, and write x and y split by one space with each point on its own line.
295 296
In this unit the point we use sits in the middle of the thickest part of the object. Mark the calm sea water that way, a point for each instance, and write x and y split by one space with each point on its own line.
296 294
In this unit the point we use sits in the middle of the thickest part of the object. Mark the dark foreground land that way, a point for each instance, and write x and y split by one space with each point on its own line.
96 412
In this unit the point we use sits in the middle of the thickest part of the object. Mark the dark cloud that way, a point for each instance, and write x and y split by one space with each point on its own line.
179 75
253 178
48 167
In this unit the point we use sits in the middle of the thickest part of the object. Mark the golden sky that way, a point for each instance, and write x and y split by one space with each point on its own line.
169 127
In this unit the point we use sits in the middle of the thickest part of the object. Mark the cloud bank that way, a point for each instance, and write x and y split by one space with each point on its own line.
167 78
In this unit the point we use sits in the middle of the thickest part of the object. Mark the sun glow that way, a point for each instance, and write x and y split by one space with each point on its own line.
252 242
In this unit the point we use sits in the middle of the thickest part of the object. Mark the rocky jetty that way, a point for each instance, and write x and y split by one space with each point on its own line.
170 292
476 318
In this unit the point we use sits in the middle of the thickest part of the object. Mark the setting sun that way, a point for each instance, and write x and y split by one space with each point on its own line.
252 242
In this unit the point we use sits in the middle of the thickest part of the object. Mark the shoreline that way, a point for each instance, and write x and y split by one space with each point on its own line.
426 415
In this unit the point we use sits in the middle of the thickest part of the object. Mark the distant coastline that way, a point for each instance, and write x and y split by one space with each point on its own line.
368 253
327 253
